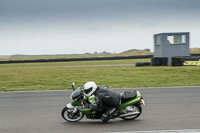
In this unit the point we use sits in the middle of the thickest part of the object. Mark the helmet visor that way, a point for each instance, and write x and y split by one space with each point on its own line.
88 90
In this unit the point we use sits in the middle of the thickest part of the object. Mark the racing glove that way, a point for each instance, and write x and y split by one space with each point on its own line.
87 105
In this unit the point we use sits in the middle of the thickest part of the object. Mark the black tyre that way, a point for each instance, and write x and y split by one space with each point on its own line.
135 108
68 115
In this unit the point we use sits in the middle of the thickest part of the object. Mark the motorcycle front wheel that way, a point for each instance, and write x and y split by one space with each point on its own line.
69 115
135 108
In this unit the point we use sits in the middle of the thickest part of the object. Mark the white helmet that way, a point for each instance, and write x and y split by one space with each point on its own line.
90 88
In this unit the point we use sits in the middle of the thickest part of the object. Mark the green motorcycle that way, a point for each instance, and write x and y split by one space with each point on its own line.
129 109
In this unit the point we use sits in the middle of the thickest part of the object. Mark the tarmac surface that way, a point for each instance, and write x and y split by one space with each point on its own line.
175 109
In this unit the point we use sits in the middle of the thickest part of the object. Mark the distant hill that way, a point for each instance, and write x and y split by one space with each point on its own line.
4 57
147 51
133 51
195 50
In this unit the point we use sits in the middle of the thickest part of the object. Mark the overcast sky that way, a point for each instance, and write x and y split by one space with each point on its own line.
81 26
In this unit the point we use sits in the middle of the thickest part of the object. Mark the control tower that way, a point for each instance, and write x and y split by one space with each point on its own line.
168 45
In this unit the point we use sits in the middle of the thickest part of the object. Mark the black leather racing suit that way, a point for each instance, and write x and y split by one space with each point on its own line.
106 96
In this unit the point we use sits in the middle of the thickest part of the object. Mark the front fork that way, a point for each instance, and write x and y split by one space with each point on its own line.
69 105
75 108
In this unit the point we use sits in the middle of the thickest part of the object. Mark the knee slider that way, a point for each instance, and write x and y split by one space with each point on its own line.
104 117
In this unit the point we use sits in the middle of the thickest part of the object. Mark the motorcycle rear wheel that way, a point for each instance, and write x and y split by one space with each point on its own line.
68 115
135 108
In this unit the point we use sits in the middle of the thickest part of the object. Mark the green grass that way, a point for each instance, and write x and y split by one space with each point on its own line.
58 76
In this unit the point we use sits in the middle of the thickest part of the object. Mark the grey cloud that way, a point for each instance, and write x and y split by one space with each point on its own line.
73 10
98 25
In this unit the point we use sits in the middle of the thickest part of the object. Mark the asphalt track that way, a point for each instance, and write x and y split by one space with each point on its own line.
176 108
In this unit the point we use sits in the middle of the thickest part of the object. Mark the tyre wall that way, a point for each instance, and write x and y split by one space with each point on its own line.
186 61
138 64
159 61
77 59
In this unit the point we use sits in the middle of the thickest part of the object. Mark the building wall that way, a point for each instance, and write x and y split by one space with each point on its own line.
162 47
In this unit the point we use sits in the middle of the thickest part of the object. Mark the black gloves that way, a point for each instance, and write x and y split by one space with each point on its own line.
87 105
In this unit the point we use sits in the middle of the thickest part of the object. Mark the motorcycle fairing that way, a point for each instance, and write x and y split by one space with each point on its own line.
131 102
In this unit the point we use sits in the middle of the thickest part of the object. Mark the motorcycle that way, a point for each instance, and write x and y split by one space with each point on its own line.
129 109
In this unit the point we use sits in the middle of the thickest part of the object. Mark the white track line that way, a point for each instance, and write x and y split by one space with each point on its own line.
164 131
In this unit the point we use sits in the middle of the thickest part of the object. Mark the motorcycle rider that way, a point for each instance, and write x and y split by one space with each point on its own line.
103 96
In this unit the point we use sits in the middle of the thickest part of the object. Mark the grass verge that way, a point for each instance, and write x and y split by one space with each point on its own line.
58 76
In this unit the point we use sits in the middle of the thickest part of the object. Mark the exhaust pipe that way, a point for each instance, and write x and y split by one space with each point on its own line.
130 114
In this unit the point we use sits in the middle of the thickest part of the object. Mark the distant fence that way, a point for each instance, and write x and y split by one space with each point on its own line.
82 59
77 59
